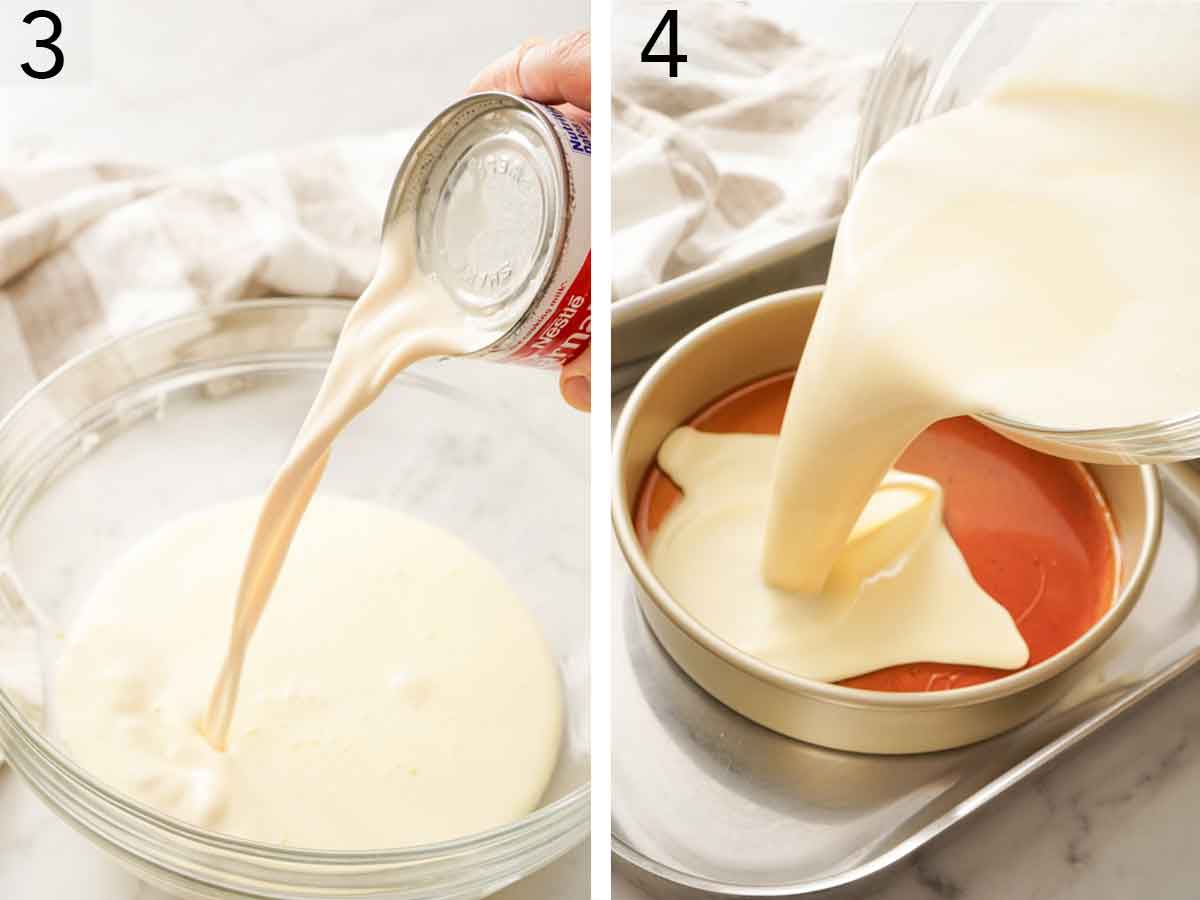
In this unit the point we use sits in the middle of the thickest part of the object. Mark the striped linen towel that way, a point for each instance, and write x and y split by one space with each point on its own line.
91 249
749 145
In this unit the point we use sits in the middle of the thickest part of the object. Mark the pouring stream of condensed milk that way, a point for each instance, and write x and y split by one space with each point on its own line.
396 685
1031 256
497 187
404 316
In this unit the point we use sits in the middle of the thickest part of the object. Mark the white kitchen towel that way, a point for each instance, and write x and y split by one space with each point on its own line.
750 144
93 248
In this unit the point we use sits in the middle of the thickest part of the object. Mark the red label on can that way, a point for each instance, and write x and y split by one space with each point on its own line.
567 331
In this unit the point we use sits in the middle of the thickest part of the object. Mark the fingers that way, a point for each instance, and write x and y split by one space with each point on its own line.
575 382
558 71
574 113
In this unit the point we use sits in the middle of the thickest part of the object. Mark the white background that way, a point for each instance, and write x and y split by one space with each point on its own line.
202 80
198 81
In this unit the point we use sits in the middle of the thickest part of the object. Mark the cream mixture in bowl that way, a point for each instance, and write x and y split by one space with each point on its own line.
413 712
398 685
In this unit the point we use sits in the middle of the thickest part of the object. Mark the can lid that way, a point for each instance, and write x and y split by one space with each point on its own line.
485 189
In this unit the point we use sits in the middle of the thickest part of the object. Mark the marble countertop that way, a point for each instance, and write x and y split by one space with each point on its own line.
185 83
41 858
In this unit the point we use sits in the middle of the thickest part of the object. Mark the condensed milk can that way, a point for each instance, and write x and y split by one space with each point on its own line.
498 190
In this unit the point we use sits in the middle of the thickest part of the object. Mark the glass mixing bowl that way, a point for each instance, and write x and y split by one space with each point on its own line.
942 57
201 409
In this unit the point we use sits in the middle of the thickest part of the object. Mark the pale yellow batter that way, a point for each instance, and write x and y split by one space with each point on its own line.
899 592
397 692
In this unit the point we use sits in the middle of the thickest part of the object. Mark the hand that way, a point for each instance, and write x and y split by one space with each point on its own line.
559 73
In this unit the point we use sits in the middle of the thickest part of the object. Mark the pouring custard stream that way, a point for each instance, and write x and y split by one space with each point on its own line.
1030 256
404 316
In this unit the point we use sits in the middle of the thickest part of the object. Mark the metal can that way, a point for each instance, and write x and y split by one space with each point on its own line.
499 192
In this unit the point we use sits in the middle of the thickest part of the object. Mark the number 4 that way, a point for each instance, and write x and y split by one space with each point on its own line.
673 57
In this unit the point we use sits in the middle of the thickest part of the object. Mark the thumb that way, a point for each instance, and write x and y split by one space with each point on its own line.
558 71
575 382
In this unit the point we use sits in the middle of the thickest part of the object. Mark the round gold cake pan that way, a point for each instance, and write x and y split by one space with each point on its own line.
762 338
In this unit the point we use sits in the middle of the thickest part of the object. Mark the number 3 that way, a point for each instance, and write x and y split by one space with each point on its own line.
47 43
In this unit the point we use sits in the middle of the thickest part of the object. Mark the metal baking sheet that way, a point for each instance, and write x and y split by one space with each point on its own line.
645 325
707 803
